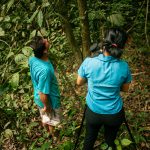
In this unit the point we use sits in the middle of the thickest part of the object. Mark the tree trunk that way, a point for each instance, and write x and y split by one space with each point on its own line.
69 32
85 33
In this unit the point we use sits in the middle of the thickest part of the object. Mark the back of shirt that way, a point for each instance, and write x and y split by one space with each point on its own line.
44 80
105 76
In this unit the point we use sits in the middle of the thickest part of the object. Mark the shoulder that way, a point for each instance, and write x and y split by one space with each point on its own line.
123 62
89 60
32 59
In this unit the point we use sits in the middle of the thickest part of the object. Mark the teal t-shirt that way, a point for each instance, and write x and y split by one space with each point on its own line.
105 76
44 80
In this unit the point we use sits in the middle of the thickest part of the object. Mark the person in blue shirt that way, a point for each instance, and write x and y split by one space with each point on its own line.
46 90
106 75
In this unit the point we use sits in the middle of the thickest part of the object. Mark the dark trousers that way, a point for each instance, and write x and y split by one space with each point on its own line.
94 121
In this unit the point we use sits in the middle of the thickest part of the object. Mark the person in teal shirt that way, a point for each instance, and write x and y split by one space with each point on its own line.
106 75
46 90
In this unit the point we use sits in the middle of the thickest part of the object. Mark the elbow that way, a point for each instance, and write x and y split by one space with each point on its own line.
78 83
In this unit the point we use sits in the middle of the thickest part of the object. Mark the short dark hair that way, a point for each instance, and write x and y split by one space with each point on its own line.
114 41
38 46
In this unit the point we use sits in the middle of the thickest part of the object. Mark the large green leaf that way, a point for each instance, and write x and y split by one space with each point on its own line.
8 133
125 142
20 58
27 51
40 18
33 16
10 3
14 81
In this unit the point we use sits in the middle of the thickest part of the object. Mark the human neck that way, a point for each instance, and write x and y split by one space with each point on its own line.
45 58
106 53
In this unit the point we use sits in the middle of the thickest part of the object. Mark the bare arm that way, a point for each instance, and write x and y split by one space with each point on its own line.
45 101
80 81
125 87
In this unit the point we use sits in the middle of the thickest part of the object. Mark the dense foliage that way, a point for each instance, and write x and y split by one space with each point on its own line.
64 24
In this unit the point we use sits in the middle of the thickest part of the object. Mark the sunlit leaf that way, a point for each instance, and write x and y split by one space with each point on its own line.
6 19
45 4
33 124
119 147
8 133
10 3
32 34
33 16
40 18
32 146
20 58
27 50
2 32
1 18
9 55
116 142
125 142
14 81
109 148
44 32
103 146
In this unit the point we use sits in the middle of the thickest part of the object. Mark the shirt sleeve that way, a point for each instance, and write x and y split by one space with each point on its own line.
44 82
129 76
82 69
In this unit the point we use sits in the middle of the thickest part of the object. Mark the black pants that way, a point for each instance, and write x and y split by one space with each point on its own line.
94 121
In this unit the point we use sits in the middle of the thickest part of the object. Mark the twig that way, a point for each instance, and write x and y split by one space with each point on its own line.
135 74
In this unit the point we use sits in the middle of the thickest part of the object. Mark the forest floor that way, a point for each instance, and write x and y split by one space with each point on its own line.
21 130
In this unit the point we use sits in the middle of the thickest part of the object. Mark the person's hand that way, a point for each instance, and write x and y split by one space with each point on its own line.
47 109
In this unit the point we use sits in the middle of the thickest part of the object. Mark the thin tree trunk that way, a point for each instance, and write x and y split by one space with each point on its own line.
85 33
68 31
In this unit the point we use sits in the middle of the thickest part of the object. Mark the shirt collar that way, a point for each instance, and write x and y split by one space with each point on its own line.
107 58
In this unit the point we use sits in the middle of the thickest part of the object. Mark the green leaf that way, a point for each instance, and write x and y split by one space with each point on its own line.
40 18
45 4
33 124
6 19
2 32
10 3
9 55
20 58
33 16
116 142
8 133
67 145
125 142
15 80
103 146
46 146
119 147
32 34
33 144
27 51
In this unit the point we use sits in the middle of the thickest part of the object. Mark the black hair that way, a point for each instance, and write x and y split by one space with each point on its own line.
38 46
114 42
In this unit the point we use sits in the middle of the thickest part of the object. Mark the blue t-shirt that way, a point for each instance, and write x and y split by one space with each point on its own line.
105 76
44 80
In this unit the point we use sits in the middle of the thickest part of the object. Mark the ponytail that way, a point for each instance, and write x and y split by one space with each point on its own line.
114 42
